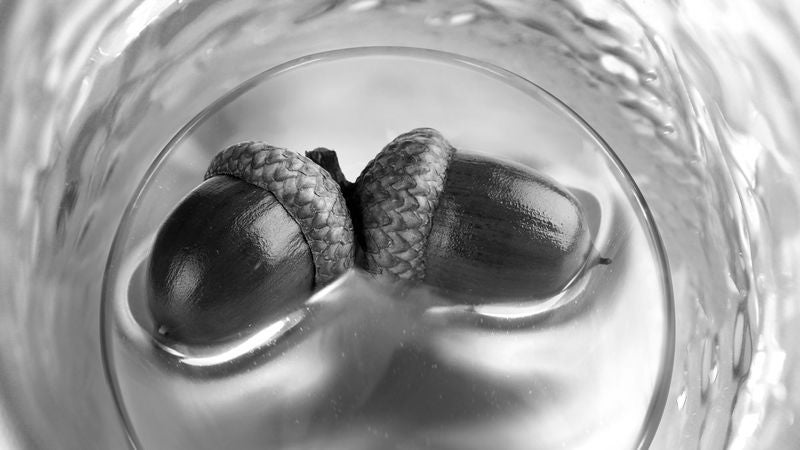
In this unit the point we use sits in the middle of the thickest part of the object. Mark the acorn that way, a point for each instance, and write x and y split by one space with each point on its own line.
486 229
265 229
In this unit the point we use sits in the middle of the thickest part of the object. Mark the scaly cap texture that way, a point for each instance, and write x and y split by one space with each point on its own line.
398 192
307 192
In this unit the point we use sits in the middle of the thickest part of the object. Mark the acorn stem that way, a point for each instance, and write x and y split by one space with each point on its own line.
328 160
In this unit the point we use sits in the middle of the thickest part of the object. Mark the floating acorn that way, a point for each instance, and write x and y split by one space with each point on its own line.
265 229
486 229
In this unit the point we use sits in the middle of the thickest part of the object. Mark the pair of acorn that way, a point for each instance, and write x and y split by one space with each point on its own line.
269 226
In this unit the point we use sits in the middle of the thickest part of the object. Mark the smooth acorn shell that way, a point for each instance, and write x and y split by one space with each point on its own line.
503 230
487 229
227 257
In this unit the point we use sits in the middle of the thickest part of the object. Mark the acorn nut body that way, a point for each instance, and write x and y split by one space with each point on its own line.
265 228
487 229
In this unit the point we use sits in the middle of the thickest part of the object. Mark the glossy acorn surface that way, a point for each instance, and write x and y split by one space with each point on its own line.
264 230
468 223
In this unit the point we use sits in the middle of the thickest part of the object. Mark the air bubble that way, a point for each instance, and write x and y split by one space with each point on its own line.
613 64
453 19
681 399
365 5
461 18
709 365
666 129
742 343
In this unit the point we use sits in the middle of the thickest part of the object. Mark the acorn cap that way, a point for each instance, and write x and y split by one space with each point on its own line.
307 192
398 193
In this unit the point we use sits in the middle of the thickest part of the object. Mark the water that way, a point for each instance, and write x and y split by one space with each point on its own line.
695 98
359 367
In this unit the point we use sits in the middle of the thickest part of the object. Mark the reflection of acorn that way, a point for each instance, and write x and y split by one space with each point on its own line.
266 228
467 223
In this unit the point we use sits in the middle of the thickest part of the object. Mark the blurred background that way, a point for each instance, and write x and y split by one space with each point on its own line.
697 99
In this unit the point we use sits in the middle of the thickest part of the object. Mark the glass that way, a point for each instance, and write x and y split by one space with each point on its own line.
514 369
694 99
